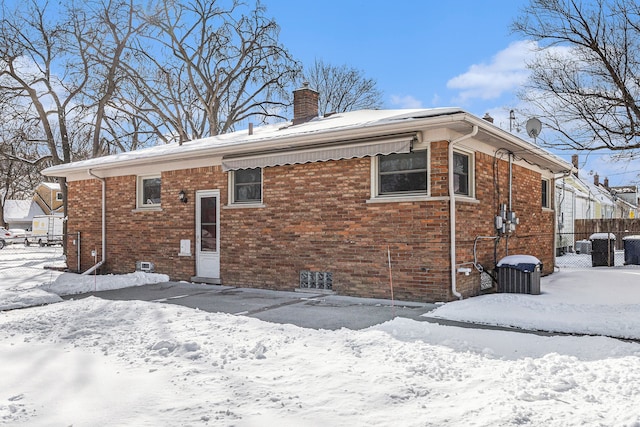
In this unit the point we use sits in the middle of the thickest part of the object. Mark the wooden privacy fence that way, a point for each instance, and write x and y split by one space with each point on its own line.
620 227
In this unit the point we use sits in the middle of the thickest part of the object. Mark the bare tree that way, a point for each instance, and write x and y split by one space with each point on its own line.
19 172
99 76
213 64
104 29
36 77
58 71
342 88
585 82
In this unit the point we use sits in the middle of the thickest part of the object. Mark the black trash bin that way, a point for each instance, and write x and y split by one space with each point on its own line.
519 274
603 249
631 250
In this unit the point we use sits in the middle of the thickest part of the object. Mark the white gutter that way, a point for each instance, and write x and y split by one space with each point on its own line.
104 224
189 151
452 209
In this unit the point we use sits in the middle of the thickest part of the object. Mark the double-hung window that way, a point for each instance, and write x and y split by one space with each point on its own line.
148 191
246 186
402 174
462 177
545 193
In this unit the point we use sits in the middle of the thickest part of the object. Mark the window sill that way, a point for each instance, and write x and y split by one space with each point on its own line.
154 209
400 199
466 199
416 198
244 206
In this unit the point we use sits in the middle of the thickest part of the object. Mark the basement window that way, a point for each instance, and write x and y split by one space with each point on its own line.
148 191
316 280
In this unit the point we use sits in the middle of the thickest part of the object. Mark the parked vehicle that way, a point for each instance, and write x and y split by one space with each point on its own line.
18 234
46 230
5 237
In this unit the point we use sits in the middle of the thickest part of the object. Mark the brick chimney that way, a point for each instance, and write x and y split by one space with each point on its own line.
488 118
574 161
305 104
606 183
596 180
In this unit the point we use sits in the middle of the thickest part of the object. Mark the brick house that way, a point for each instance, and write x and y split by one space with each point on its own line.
323 203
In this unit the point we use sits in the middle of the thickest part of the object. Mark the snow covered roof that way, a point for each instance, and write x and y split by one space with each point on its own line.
52 185
599 193
341 127
21 210
629 189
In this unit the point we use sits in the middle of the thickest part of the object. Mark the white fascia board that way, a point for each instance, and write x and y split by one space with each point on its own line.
107 166
187 157
148 168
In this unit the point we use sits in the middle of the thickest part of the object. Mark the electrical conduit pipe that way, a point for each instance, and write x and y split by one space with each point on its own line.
104 224
452 208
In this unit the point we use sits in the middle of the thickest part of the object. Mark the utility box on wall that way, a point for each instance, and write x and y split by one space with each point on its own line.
519 274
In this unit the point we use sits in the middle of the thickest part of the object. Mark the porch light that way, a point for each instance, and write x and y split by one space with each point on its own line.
182 196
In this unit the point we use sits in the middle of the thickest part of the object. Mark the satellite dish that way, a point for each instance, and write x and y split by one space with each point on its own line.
534 126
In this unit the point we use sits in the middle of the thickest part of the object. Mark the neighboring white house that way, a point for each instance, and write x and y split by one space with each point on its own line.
626 200
582 196
47 200
20 213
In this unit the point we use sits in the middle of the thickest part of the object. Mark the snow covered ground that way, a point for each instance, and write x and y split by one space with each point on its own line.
115 363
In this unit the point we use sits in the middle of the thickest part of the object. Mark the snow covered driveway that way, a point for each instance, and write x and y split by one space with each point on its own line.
96 362
594 301
133 363
22 267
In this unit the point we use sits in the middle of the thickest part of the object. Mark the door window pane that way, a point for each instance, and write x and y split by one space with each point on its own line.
208 224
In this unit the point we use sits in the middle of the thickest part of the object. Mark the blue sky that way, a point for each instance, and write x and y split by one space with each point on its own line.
427 54
411 48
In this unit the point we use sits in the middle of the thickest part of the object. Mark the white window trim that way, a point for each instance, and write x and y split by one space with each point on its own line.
405 197
472 174
140 205
59 196
232 194
548 194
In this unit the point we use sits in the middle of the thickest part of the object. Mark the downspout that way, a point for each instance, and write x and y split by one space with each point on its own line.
452 209
506 239
104 224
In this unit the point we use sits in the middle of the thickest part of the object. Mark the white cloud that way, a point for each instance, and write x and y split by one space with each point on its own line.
406 101
506 71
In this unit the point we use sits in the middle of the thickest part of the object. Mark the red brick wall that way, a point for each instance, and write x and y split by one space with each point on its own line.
316 218
139 235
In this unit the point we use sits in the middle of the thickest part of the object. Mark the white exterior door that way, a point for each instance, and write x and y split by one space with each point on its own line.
208 234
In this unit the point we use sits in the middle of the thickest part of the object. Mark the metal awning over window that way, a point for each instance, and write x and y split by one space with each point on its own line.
322 153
